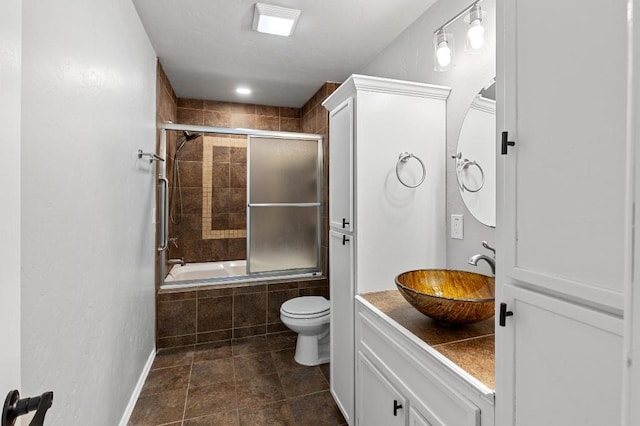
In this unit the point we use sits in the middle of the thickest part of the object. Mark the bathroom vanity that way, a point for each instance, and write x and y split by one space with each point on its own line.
410 368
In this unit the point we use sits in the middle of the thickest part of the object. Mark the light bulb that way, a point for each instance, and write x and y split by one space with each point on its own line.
475 34
443 54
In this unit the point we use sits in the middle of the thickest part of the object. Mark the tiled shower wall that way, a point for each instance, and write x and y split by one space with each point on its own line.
192 316
225 182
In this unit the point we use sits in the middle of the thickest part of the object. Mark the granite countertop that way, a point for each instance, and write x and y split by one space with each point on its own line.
471 347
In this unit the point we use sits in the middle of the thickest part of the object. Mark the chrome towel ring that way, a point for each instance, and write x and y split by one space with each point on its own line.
403 158
461 166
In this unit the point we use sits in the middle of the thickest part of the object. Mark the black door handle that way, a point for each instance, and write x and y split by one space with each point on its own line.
506 143
344 222
345 240
396 406
504 314
15 407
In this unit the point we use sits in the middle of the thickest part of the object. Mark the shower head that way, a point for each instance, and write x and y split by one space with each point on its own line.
188 136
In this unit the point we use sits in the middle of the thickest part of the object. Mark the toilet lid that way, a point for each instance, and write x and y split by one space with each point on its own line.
306 306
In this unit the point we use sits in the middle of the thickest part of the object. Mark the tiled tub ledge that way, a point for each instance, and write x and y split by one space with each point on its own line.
470 347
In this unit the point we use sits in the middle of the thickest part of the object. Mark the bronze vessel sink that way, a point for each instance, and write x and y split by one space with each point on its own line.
449 297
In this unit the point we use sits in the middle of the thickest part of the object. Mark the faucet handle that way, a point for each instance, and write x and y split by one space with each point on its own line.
488 247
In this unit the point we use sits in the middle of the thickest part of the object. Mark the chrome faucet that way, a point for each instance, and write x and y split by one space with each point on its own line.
176 261
491 261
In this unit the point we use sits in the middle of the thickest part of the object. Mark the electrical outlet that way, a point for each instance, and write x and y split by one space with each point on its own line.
457 226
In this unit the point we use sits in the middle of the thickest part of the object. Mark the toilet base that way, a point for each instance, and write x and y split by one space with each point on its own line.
312 351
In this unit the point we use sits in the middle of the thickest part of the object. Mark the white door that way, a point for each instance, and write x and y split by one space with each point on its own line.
563 97
10 53
341 280
379 402
341 167
565 361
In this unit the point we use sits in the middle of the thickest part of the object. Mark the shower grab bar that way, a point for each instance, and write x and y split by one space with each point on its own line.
403 158
165 213
284 204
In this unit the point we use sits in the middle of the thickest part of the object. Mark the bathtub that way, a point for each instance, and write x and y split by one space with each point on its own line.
207 270
209 273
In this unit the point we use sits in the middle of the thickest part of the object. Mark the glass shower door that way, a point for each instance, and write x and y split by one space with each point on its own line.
284 204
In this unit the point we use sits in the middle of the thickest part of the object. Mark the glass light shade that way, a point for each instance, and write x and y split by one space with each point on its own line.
476 21
443 51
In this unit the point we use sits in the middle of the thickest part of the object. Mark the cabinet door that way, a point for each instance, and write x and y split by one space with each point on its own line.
379 402
342 375
341 167
563 363
563 197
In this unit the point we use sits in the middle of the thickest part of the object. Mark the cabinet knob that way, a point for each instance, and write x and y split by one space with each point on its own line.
345 240
396 406
345 222
504 314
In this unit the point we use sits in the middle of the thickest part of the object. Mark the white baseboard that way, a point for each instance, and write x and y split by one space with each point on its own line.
136 391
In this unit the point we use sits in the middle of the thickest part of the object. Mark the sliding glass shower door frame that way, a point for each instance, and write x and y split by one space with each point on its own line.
317 205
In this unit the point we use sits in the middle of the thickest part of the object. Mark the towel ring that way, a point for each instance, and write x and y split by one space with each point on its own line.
465 164
403 158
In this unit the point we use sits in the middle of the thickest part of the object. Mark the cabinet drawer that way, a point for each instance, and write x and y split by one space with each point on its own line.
424 380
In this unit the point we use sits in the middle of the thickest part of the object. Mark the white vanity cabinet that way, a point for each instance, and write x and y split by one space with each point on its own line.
379 227
402 380
562 225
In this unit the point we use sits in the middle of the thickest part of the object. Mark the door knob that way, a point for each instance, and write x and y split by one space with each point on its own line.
15 407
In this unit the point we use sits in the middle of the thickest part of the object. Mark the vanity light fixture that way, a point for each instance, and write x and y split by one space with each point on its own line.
443 48
443 45
475 29
277 20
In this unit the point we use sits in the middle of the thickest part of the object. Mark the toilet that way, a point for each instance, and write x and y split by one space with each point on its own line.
309 317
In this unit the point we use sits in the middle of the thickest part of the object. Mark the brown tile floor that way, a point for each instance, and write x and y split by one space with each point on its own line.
253 381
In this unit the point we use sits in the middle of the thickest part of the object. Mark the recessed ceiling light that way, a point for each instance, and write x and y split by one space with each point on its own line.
243 91
276 20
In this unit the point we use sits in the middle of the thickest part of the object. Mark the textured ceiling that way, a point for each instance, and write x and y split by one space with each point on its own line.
207 47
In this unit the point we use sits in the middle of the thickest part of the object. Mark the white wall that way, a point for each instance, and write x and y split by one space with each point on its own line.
10 52
88 91
410 57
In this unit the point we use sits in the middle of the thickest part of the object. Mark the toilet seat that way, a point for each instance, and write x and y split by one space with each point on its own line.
306 307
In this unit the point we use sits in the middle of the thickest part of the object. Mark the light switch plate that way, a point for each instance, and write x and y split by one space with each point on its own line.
457 226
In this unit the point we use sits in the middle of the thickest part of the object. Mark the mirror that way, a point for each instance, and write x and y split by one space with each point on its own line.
475 159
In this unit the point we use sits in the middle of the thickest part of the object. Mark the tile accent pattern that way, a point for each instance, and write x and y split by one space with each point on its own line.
252 381
219 313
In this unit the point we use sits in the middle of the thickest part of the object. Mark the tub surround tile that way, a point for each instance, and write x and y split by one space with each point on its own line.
315 291
191 200
266 110
238 154
217 106
275 300
176 318
191 116
237 248
176 295
190 103
289 112
191 151
216 291
251 288
214 336
249 309
177 341
217 119
216 250
215 314
254 330
190 173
